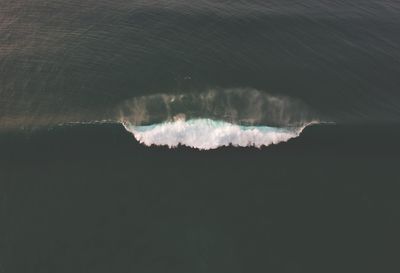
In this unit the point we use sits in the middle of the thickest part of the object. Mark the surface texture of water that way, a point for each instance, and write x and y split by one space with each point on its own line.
82 197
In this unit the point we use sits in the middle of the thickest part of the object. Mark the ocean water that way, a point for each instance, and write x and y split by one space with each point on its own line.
199 136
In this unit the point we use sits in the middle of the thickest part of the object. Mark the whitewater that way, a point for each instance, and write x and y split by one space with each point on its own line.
207 134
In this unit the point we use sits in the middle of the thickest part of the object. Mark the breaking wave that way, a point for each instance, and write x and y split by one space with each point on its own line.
206 134
216 118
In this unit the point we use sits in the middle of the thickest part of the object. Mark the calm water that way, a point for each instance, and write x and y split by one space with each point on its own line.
78 193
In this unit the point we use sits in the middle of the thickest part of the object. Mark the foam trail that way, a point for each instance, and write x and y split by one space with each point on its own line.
206 134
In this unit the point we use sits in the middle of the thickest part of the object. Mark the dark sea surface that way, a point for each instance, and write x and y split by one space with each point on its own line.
78 192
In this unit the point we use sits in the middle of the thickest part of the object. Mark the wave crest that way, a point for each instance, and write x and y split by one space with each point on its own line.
206 134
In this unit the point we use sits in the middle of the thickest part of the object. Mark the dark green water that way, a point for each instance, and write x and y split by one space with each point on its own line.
88 197
91 199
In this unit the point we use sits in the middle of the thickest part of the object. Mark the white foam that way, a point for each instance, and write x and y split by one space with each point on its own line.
206 134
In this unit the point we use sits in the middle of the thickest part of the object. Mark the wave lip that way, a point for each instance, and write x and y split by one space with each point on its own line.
207 134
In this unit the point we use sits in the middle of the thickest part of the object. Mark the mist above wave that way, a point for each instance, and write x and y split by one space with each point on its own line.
206 134
236 106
